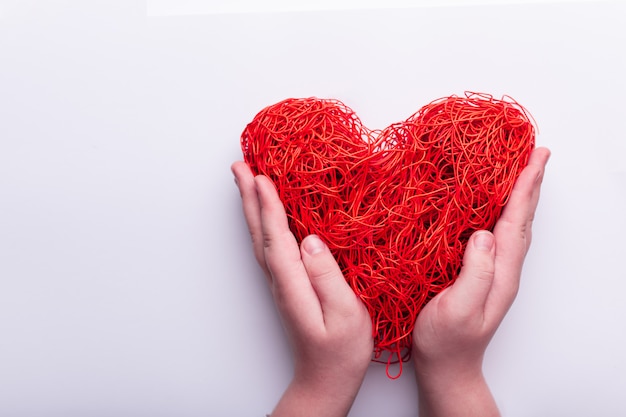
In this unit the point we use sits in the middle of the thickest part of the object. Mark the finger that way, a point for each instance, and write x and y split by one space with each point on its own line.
290 284
516 219
336 297
470 291
542 155
251 209
513 232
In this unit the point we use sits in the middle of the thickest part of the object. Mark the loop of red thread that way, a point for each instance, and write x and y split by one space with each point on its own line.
396 207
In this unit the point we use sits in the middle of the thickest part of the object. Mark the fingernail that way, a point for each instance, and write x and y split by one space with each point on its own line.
483 241
313 245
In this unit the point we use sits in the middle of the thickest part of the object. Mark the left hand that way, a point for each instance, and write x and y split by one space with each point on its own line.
328 326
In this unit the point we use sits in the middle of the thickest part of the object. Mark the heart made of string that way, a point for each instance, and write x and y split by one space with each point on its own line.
396 207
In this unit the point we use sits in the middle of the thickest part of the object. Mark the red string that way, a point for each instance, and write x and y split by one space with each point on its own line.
396 207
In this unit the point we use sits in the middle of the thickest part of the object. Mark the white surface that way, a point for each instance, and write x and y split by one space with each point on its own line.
127 283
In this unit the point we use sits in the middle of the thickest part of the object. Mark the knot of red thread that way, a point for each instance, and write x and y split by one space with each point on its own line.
396 207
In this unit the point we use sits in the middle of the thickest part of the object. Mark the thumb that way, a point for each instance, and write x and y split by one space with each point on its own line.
333 291
473 284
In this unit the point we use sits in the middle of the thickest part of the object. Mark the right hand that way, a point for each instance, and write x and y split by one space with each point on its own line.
453 330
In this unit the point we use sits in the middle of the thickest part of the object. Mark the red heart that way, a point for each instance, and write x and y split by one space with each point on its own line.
396 207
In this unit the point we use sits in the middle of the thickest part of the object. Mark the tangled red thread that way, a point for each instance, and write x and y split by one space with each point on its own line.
396 207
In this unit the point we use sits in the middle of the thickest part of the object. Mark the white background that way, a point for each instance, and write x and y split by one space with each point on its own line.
127 282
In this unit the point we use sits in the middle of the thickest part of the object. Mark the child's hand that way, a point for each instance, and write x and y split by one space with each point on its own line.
329 328
454 328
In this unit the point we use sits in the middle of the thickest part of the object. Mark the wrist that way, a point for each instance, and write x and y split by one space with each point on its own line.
332 384
319 394
454 390
448 379
442 371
